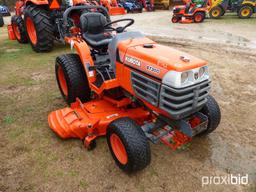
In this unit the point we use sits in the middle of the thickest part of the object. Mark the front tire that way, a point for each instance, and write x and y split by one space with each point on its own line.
39 28
128 145
19 29
71 78
212 111
175 19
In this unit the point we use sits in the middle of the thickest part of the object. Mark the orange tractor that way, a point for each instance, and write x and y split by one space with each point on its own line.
39 22
113 7
130 89
189 13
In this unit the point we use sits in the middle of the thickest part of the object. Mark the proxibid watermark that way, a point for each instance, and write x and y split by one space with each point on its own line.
229 179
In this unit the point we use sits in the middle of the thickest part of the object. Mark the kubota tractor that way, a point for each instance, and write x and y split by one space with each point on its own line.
39 22
113 7
130 89
189 13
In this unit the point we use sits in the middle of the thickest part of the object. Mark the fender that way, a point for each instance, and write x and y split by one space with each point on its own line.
37 2
84 53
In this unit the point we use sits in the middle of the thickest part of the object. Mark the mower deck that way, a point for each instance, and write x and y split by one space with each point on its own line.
90 120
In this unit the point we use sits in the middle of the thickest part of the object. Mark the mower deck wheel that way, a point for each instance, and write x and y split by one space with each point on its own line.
245 12
71 78
216 12
39 28
212 111
128 145
19 29
175 19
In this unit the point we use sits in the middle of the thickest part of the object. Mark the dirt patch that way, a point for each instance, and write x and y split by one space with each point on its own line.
35 159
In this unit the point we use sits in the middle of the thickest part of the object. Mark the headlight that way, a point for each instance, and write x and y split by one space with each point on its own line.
184 77
201 72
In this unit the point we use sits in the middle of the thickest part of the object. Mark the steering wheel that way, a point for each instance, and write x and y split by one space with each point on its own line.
119 29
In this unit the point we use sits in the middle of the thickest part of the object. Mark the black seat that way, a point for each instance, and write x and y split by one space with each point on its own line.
92 25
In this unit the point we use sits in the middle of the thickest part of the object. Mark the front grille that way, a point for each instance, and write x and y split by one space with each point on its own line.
146 88
183 102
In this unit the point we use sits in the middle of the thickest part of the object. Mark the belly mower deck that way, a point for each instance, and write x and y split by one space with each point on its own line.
90 120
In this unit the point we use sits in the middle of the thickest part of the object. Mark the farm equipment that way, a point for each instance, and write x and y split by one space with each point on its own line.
131 6
246 8
130 89
218 8
4 10
39 22
113 7
148 4
189 13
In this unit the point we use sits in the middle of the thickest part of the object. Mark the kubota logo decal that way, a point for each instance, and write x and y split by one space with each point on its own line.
132 61
153 69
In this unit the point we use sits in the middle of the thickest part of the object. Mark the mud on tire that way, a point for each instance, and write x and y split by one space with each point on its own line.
69 70
212 111
19 29
134 141
44 28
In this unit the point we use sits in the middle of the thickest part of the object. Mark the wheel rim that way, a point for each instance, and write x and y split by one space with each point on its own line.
118 149
174 20
216 13
31 30
198 18
62 81
16 31
245 12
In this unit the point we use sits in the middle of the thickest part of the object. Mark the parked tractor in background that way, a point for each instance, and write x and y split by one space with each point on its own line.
4 10
39 22
244 8
113 7
193 11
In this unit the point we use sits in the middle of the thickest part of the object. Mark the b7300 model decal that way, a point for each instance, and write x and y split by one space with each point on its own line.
153 69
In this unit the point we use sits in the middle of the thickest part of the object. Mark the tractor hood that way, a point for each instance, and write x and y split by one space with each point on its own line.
150 57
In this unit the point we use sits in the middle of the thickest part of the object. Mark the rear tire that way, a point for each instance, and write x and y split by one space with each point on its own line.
199 17
39 28
245 12
212 111
128 145
19 29
216 12
71 78
1 20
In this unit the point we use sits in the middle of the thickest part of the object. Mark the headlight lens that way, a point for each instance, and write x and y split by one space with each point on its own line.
184 77
201 72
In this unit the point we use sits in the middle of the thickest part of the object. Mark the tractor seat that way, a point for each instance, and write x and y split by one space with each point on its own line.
92 26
